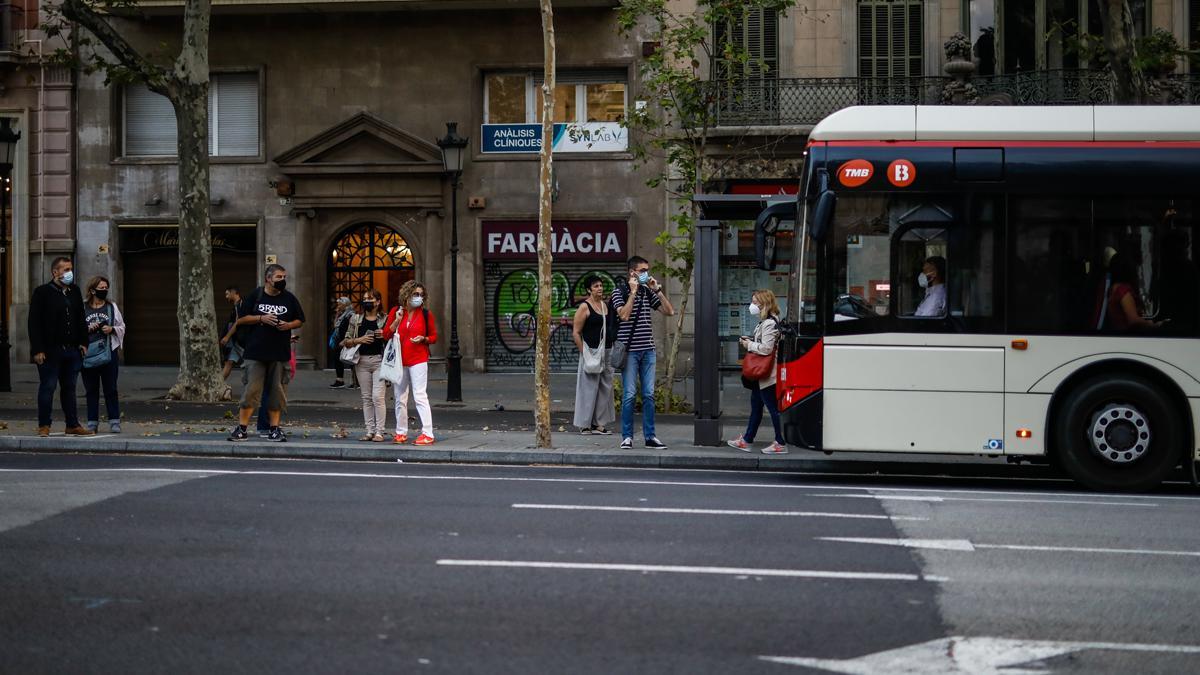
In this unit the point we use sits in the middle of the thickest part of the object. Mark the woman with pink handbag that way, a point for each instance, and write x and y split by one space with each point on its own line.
758 372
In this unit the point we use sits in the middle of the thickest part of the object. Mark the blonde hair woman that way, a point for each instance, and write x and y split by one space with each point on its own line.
765 308
412 323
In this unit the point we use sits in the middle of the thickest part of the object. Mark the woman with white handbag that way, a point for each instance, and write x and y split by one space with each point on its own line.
594 332
406 363
363 349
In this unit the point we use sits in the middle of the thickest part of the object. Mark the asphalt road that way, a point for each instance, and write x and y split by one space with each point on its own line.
128 564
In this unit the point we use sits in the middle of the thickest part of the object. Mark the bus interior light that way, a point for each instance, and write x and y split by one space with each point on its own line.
1024 433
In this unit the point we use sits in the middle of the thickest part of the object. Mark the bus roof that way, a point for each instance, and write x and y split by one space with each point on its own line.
1010 123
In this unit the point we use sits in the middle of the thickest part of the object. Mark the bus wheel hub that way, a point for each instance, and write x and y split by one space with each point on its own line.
1120 433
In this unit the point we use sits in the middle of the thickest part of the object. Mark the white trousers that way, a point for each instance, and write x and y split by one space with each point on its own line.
416 377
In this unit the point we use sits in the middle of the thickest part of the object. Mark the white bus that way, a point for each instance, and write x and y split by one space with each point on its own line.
997 280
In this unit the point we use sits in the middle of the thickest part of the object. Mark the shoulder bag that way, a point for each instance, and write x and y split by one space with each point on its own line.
757 367
593 357
99 352
620 350
349 355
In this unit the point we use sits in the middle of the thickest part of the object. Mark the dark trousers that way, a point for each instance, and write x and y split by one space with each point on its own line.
339 368
93 378
758 399
60 370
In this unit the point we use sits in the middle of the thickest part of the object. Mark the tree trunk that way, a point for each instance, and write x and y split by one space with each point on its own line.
1119 37
199 358
541 376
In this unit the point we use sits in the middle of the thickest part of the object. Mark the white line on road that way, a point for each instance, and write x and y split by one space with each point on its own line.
608 481
935 500
689 569
713 512
969 546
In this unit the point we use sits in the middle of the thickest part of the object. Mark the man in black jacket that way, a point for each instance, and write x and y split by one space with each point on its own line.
58 340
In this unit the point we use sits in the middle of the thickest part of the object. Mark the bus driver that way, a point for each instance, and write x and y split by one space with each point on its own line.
933 279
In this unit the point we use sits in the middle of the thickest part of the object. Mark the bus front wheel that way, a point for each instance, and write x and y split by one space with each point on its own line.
1118 433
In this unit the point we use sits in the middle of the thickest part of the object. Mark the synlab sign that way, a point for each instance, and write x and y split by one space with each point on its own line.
571 239
589 137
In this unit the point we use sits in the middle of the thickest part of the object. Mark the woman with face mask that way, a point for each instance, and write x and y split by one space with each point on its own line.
411 323
765 309
365 330
106 332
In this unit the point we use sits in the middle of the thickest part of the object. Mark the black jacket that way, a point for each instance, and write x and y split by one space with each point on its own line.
56 319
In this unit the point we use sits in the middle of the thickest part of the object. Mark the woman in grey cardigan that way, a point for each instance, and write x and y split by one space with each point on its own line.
595 326
765 308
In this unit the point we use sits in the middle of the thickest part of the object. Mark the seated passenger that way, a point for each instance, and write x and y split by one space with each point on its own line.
1122 310
933 279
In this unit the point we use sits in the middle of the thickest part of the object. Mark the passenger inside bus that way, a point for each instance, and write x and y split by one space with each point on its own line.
933 279
1121 310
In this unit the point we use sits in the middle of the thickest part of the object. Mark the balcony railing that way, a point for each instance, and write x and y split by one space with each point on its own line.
803 101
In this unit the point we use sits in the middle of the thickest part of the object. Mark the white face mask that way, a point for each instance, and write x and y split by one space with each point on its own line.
68 277
416 301
922 280
755 310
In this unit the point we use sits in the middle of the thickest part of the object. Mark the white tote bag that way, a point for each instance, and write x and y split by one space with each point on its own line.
593 357
391 369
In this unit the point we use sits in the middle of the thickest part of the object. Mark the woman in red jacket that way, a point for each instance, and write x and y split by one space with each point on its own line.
412 322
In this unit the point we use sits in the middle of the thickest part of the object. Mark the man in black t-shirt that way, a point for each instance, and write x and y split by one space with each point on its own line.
271 313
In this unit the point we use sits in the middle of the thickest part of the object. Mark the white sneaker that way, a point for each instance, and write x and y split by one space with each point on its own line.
775 449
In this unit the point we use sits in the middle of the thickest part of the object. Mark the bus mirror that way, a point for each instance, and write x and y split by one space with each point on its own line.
765 227
822 214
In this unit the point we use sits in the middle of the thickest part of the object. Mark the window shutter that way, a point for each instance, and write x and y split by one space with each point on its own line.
236 119
890 38
149 123
758 33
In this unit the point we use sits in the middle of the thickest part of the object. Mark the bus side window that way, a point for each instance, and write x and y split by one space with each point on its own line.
1049 290
921 271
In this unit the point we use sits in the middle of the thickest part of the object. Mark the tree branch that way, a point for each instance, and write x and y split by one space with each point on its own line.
155 77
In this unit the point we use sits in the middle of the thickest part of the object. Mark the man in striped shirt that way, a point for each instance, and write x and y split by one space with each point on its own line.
635 302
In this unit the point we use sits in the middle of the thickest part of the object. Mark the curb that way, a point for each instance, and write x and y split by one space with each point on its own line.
566 456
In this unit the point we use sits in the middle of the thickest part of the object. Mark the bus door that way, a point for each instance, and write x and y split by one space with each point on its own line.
916 372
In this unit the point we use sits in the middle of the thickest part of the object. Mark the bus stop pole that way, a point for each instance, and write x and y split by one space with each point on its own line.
707 424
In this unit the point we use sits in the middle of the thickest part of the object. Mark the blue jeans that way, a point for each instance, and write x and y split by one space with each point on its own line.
758 399
638 364
93 379
61 370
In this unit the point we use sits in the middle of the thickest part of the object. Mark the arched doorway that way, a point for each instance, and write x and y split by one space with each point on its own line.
368 255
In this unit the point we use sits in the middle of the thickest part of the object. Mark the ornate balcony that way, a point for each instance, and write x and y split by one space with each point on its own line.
805 101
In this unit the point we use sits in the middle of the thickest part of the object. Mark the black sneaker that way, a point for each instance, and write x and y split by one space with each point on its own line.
277 436
239 434
627 444
656 444
338 384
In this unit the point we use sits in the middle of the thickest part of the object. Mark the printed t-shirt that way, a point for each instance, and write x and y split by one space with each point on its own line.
268 343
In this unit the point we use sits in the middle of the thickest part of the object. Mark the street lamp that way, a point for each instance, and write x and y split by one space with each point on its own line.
453 149
8 148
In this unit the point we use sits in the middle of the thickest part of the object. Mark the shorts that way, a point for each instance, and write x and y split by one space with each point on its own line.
271 376
232 352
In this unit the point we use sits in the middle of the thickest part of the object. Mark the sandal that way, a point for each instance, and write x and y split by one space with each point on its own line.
366 437
377 438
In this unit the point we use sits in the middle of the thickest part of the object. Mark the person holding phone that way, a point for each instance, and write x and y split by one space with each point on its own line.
366 330
412 324
765 309
635 301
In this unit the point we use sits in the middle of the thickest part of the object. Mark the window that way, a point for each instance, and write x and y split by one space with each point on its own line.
1193 32
890 38
233 119
884 249
579 96
757 32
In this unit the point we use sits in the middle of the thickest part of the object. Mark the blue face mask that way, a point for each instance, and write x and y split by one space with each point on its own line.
643 277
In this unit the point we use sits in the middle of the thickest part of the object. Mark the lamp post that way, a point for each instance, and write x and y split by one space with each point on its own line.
8 146
453 148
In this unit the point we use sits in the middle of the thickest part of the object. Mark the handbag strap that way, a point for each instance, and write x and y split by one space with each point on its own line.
637 314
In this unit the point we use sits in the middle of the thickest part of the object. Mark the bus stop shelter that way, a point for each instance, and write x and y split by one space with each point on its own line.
715 211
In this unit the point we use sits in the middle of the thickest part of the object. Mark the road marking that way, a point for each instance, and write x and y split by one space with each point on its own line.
976 655
969 546
935 500
688 569
605 481
713 512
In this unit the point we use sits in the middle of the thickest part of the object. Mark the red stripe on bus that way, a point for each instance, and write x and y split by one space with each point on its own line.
800 377
1017 144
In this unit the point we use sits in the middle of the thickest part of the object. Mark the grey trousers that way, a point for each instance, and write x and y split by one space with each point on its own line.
594 405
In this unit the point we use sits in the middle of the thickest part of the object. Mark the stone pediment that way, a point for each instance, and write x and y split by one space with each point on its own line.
363 144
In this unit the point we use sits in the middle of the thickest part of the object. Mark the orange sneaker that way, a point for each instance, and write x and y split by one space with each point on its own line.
400 438
423 439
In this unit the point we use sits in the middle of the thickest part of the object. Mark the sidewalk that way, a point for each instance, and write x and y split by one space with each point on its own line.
492 425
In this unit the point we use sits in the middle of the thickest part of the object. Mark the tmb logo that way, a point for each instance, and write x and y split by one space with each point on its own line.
854 173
